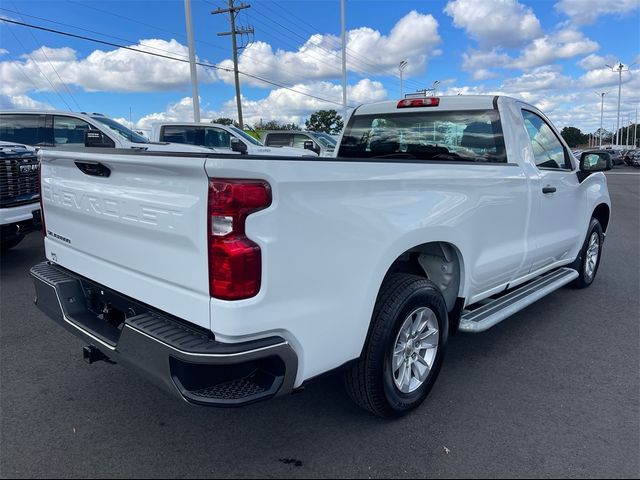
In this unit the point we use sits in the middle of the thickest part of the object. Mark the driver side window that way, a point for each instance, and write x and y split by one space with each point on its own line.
547 149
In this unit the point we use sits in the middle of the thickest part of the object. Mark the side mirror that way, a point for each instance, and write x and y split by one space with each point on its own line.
238 145
309 145
591 162
595 162
97 139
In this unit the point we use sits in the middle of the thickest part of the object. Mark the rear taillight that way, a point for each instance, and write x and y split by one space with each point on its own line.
44 227
235 262
419 102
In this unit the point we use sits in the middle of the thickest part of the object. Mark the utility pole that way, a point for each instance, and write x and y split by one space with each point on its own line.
192 62
601 94
233 12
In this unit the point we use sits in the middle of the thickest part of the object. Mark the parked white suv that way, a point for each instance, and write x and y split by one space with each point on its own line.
60 129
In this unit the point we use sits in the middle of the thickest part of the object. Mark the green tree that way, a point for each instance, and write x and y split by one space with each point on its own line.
275 125
573 136
327 121
226 121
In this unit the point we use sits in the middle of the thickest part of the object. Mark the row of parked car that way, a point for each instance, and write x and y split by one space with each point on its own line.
22 131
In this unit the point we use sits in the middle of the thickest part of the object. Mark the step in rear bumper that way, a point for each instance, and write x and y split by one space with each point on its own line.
182 359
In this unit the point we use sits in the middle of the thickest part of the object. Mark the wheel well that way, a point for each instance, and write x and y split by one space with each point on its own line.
440 262
602 213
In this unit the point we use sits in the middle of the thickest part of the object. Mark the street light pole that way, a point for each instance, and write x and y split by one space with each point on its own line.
192 63
635 131
626 144
344 61
601 94
401 67
619 68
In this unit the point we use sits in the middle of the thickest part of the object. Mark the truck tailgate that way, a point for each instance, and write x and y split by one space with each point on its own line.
135 223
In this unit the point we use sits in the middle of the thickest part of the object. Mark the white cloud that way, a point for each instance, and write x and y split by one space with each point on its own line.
479 63
606 77
541 79
118 70
566 43
593 61
281 104
19 102
3 51
584 12
493 23
413 38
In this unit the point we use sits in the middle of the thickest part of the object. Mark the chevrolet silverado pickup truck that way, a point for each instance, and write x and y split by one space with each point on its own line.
233 279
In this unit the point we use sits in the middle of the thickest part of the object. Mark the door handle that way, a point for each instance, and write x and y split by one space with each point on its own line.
93 169
549 189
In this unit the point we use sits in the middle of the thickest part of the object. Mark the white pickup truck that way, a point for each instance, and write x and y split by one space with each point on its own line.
222 138
229 280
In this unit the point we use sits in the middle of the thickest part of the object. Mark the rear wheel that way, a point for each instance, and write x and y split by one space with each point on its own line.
588 261
405 348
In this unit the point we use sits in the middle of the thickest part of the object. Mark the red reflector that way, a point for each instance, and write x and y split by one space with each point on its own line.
419 102
235 262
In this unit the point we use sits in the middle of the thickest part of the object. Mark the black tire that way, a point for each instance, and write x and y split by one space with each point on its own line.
369 380
580 264
6 244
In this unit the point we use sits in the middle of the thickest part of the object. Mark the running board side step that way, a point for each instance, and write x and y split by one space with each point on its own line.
492 313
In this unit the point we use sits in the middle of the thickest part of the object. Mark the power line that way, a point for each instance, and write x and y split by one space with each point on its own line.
134 42
356 59
37 66
51 64
234 32
133 49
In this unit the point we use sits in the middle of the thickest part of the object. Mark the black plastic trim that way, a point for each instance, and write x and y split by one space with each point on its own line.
184 360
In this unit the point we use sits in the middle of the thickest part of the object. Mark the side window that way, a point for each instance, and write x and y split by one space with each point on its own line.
299 139
279 139
180 135
26 129
69 130
217 138
547 149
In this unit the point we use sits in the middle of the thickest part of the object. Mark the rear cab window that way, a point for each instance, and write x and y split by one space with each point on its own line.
467 136
279 139
183 134
27 129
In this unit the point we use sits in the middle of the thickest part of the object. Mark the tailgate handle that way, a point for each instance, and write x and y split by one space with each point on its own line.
94 169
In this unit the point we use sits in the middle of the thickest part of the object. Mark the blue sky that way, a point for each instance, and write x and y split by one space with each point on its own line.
548 52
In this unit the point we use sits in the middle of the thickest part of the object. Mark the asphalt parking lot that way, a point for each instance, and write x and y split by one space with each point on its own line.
552 392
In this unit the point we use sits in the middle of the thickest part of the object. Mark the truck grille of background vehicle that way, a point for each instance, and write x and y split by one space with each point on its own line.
18 178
